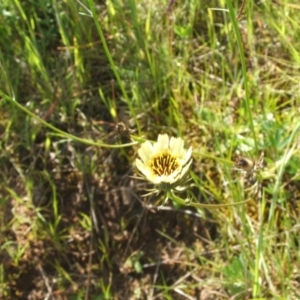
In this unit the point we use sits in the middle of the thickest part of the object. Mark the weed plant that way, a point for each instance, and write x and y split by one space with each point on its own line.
83 83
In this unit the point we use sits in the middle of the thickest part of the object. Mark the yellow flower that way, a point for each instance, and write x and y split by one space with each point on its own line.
164 162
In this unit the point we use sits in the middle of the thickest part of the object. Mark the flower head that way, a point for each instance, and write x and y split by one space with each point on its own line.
164 162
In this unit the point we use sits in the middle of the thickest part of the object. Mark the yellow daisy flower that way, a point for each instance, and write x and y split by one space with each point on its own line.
165 162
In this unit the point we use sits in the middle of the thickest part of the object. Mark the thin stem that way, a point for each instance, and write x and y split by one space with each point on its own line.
63 133
244 71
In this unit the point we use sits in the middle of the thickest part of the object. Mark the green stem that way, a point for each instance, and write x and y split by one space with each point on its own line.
63 133
244 70
172 196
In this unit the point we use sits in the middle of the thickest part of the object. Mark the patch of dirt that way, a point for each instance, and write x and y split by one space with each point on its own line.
127 247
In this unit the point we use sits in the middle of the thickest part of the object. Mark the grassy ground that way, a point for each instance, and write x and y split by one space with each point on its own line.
74 224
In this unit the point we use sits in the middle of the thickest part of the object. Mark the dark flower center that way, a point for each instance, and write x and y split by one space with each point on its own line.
164 164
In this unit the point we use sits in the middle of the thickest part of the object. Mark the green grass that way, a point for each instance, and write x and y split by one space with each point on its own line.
74 222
